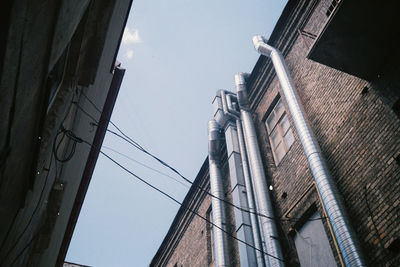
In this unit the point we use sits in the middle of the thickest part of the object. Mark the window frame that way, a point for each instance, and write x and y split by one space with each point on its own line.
278 129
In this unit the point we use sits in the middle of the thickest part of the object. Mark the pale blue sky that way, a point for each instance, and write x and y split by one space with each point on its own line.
177 54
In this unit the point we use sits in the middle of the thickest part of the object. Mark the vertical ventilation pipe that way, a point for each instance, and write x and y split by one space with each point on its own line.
217 190
268 227
240 192
327 189
229 108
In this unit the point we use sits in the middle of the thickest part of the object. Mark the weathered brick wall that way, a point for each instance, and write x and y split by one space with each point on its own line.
192 247
359 135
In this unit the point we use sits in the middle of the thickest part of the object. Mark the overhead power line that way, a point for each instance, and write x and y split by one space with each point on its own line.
69 134
180 203
135 144
144 165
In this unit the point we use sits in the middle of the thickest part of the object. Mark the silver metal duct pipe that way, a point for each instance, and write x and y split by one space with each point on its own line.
327 189
231 111
268 227
243 228
217 190
250 198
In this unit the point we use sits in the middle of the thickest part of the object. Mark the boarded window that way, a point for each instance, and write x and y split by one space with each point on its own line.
312 244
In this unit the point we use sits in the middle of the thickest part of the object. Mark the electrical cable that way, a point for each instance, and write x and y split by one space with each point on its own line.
181 204
79 140
8 231
32 216
199 187
110 121
71 136
26 246
75 139
139 147
144 165
43 188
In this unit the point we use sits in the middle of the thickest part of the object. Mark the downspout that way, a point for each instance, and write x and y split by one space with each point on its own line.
217 190
247 181
327 189
268 227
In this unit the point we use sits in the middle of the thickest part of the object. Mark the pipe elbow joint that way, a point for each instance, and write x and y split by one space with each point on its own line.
214 140
261 46
242 97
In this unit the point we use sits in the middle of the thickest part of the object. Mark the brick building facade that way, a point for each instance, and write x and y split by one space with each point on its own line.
350 89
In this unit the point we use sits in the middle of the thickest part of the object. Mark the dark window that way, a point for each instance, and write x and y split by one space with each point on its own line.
56 76
210 236
396 108
332 7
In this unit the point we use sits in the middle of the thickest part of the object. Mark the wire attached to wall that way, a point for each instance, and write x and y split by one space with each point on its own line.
136 145
72 137
36 209
76 139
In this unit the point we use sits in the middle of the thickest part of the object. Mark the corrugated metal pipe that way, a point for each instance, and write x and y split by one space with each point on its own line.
230 110
218 210
268 227
327 189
